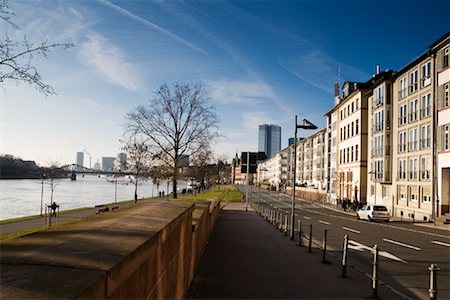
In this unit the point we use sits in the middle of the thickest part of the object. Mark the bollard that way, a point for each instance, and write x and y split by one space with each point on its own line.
324 247
344 257
375 272
433 281
299 243
310 239
285 224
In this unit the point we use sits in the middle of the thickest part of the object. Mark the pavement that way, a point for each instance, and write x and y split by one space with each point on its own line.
40 222
247 258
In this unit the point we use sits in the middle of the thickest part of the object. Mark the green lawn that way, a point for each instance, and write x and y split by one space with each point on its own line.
226 193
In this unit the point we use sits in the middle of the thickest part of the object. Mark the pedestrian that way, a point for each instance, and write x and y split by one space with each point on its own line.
54 206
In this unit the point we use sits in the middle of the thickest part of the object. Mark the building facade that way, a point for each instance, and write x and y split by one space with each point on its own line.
441 49
413 131
269 139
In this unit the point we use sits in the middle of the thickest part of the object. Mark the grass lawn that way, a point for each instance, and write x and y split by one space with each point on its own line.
226 193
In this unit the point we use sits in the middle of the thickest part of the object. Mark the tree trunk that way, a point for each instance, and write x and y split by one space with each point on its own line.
135 190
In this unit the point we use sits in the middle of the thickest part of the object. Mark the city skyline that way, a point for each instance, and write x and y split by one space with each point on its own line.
125 49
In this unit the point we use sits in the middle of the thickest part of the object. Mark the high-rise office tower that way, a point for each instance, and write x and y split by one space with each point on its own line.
269 139
80 159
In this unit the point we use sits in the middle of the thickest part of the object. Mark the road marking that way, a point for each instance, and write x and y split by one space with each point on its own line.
324 222
307 217
361 247
440 243
352 230
402 244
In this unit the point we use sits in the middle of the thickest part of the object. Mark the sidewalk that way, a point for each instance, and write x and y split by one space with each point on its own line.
247 258
63 218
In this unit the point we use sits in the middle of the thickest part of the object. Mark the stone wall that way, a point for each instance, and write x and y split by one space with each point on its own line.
149 250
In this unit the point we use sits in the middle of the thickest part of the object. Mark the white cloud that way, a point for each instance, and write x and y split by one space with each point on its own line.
319 69
151 25
253 119
109 61
240 92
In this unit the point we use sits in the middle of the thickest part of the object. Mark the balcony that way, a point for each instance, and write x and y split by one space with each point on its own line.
402 93
377 127
426 81
402 147
425 143
377 102
413 116
412 175
425 175
425 112
402 120
377 152
413 87
412 146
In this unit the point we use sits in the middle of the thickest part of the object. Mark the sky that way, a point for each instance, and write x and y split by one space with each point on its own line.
262 62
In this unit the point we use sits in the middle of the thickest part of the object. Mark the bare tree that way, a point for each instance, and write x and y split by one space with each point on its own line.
16 56
178 121
139 159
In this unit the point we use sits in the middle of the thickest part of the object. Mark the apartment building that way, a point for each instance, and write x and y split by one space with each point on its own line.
274 171
412 134
379 179
318 180
440 50
331 143
351 170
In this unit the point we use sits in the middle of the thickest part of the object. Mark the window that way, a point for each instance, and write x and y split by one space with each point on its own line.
425 136
357 127
402 88
357 104
426 198
445 100
340 156
379 96
413 168
353 107
378 170
402 141
351 155
413 78
413 107
425 106
445 54
378 121
356 153
413 137
402 169
413 196
446 137
425 167
402 115
353 128
341 134
378 142
426 74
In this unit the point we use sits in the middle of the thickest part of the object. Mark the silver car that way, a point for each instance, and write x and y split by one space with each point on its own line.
373 213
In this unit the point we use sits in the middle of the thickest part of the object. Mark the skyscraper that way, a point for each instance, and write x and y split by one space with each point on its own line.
80 159
269 139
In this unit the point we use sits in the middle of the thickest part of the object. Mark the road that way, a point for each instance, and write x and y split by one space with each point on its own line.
405 249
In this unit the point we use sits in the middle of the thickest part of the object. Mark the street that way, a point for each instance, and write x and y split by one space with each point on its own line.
406 250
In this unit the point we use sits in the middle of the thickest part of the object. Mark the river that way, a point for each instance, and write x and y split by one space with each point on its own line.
22 197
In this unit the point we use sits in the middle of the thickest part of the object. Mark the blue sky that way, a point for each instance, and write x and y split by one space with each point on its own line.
261 61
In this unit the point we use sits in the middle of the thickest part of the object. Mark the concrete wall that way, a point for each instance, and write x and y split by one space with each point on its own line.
149 250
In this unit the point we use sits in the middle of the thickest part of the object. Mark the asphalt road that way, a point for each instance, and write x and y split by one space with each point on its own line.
406 250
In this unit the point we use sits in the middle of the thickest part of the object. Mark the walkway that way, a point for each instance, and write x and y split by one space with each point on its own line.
247 258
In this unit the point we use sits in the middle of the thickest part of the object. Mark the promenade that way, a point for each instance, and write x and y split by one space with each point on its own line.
247 258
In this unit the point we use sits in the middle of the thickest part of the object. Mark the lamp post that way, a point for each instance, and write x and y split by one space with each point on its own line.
308 126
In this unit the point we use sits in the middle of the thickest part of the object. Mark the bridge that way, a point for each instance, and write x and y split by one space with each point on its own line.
77 169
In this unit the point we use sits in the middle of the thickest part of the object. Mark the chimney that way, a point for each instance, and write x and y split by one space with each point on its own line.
378 68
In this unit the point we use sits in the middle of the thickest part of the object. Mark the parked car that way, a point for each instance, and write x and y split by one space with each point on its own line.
373 213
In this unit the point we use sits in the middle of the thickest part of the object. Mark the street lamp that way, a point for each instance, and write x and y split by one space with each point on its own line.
308 126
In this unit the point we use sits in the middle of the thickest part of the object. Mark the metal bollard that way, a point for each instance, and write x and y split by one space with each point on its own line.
375 272
344 257
310 239
285 224
433 281
299 243
324 247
